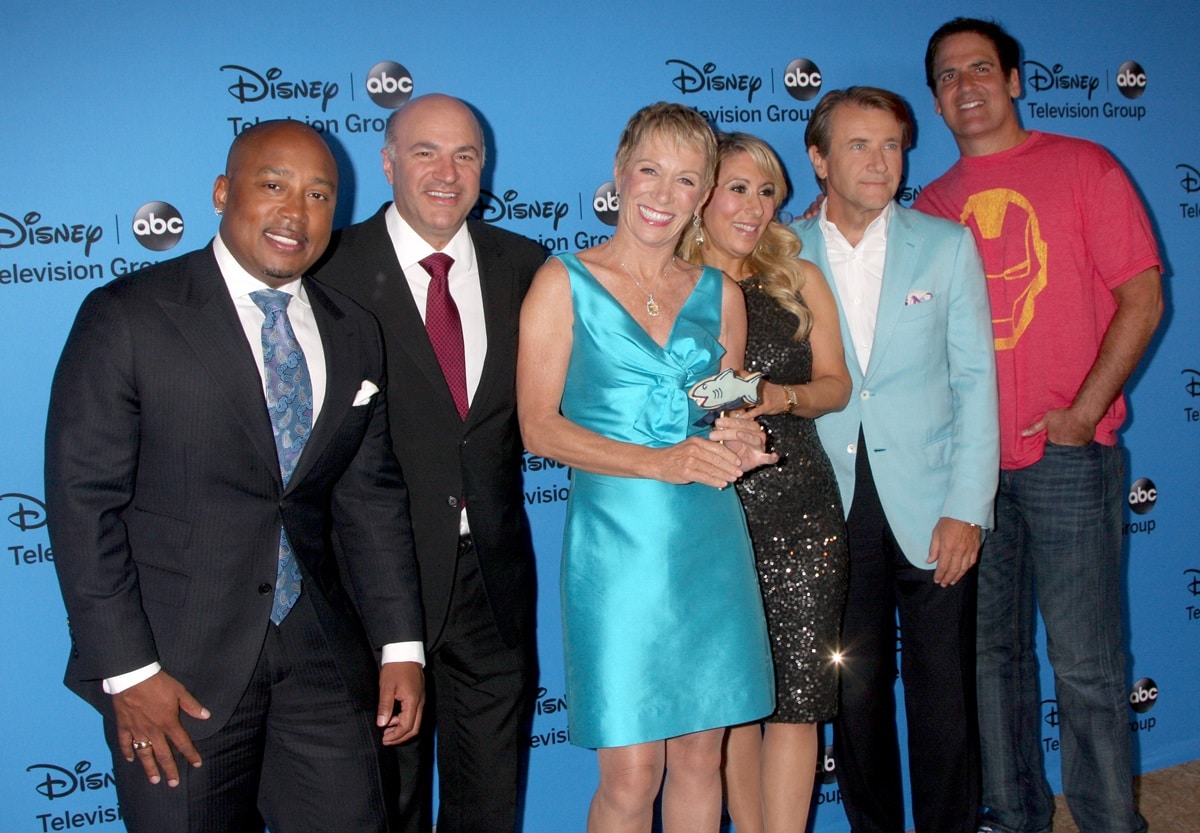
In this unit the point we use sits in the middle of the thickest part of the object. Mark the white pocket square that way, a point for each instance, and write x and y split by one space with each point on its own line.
365 392
917 296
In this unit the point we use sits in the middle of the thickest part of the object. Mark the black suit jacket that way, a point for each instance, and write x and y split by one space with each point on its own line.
165 500
443 457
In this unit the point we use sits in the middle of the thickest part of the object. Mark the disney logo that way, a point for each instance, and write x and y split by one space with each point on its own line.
1192 385
59 782
14 232
25 517
1193 585
1191 178
693 79
492 208
250 86
1043 78
1050 712
534 463
548 705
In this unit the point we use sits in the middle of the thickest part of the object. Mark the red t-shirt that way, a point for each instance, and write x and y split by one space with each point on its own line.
1058 226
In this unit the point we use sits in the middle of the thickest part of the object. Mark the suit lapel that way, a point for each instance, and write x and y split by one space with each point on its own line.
206 319
899 272
342 377
815 251
497 290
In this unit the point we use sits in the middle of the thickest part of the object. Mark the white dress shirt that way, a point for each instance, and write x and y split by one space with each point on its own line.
465 289
858 276
241 284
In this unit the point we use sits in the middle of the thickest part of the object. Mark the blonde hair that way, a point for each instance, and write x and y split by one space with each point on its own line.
685 126
775 261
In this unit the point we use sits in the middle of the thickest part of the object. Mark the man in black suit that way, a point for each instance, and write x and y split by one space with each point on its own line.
206 457
460 449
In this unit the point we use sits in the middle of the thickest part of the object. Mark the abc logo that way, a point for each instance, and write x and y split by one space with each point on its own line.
605 203
1131 79
1144 695
1142 496
158 226
802 79
389 84
827 767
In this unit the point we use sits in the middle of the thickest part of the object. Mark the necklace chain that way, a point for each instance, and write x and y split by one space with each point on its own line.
652 307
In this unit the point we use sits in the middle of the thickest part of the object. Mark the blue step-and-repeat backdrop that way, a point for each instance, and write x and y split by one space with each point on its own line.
117 117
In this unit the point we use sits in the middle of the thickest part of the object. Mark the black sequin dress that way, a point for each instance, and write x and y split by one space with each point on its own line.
794 513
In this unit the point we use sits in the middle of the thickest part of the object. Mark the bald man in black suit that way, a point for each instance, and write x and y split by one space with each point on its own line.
168 483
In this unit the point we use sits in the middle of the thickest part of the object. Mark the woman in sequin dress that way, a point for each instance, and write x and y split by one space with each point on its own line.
792 508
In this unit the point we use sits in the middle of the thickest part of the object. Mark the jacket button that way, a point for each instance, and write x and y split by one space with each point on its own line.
852 448
265 588
452 502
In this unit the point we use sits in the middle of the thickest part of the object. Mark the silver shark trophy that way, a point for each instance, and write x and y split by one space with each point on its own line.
725 391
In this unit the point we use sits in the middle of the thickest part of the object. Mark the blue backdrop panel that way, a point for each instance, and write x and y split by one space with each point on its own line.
119 115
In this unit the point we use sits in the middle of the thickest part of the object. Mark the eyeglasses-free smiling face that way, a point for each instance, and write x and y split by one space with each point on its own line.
974 96
276 199
661 188
742 204
434 164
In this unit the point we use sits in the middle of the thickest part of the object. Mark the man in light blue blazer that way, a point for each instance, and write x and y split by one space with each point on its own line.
916 453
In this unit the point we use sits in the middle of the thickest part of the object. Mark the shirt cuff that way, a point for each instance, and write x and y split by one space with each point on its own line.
404 652
117 684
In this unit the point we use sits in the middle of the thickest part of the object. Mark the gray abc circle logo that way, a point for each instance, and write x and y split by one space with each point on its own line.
158 226
802 79
1144 695
1131 79
826 767
1143 494
606 203
389 84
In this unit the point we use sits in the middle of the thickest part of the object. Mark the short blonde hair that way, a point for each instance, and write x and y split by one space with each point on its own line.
675 121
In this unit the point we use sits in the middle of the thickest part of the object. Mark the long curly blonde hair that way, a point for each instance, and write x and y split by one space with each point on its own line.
775 262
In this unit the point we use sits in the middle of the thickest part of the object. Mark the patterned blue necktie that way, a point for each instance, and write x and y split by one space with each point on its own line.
289 401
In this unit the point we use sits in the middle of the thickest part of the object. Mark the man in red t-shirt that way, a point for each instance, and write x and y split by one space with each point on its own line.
1074 283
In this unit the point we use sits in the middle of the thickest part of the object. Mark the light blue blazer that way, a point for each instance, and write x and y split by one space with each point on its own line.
927 402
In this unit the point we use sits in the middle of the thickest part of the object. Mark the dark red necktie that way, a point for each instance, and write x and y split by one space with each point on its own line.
444 326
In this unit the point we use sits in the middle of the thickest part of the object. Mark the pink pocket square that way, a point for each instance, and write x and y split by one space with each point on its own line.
917 296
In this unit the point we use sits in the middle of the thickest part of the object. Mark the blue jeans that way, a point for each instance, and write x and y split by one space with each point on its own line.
1057 539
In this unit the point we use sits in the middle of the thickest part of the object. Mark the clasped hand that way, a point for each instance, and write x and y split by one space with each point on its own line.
736 445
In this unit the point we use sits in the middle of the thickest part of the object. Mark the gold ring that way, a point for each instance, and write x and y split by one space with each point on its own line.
139 745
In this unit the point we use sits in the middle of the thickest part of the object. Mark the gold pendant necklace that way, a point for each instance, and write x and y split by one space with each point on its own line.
652 307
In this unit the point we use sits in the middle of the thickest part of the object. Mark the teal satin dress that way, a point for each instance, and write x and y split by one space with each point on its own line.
663 627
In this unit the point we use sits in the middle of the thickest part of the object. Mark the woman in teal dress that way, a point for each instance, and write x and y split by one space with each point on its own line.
663 628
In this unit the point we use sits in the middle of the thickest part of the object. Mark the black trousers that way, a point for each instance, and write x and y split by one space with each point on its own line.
478 698
937 653
300 754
